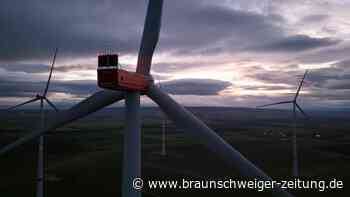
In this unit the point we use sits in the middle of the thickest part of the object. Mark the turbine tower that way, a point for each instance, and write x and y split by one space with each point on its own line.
42 98
295 105
132 135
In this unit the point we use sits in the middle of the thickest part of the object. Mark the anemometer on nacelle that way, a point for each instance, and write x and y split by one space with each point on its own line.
110 76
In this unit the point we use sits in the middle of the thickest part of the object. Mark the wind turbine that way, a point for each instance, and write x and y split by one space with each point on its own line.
42 98
295 170
132 135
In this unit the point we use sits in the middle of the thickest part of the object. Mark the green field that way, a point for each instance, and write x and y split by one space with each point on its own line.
85 158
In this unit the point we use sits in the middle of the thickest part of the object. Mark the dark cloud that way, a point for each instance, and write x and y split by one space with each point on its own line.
9 88
298 43
322 75
204 29
331 96
19 89
42 68
195 86
334 77
332 81
314 18
27 68
343 84
86 27
328 54
31 30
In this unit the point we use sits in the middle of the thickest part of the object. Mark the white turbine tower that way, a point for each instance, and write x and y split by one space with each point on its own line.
42 98
132 136
295 162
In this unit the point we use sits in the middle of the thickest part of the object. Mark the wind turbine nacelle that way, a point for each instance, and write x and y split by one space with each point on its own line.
110 76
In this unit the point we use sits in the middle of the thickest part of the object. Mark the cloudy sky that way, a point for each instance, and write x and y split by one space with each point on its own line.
211 53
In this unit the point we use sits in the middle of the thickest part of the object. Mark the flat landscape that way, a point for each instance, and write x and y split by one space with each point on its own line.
85 158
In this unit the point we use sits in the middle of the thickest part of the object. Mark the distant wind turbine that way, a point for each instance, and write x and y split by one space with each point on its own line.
295 105
42 98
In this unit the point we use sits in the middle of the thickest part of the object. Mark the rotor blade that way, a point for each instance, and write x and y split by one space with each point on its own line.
30 101
283 102
51 104
301 110
48 81
300 85
150 36
93 103
185 119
